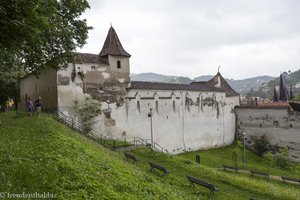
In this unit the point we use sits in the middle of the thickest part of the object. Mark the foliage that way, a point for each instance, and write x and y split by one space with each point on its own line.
291 78
297 98
261 145
37 34
282 160
269 159
87 110
237 153
216 158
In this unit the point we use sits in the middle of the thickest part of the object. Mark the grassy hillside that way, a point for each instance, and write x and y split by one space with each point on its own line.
216 158
232 185
41 155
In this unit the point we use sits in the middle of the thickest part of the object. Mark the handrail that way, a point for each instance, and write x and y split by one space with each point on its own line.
76 125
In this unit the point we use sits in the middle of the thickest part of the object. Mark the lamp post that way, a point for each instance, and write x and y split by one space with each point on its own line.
244 158
150 116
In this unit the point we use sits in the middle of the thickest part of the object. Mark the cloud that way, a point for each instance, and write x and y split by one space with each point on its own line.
192 38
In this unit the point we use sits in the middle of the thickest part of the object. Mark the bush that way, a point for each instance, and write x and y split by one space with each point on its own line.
282 160
261 145
88 110
237 152
269 159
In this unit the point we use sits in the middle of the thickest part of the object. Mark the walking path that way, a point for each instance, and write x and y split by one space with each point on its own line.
274 177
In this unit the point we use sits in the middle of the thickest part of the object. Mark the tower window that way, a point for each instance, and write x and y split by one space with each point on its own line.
118 64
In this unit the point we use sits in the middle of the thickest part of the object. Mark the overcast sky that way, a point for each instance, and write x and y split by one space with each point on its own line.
193 37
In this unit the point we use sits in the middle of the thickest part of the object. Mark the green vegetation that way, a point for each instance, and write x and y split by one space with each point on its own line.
269 159
237 153
233 185
215 158
261 145
42 155
87 110
282 160
36 34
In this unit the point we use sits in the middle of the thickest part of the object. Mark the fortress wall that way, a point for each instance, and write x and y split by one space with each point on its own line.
281 127
182 120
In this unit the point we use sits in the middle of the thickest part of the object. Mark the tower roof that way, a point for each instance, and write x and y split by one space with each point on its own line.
223 84
112 45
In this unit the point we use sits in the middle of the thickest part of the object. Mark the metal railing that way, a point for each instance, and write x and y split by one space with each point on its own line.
112 143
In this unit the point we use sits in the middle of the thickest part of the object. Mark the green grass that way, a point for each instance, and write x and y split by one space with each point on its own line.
42 155
111 143
233 186
215 158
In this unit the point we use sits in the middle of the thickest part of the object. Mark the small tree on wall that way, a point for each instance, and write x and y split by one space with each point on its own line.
282 160
269 159
87 110
237 153
261 145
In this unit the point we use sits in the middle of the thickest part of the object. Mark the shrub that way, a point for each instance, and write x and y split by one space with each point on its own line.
87 110
269 159
261 145
282 160
236 152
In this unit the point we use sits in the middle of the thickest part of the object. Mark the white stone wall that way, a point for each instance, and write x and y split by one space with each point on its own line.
282 128
206 120
198 126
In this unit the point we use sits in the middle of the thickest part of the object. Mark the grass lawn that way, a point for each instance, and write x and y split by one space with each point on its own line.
223 156
233 186
42 155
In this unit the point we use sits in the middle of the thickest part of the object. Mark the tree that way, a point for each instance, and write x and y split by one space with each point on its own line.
282 159
87 110
269 159
38 33
261 145
275 96
237 152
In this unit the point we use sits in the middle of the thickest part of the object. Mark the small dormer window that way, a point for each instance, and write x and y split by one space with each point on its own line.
93 67
118 64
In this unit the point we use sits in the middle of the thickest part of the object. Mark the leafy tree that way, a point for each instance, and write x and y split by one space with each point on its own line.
261 145
36 34
88 110
282 159
269 159
237 153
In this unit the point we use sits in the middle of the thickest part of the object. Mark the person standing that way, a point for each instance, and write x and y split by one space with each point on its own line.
38 106
29 105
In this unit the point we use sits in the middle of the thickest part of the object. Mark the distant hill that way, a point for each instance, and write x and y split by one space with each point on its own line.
153 77
291 79
241 86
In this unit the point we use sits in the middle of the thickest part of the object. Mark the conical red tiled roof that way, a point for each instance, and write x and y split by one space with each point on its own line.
112 45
